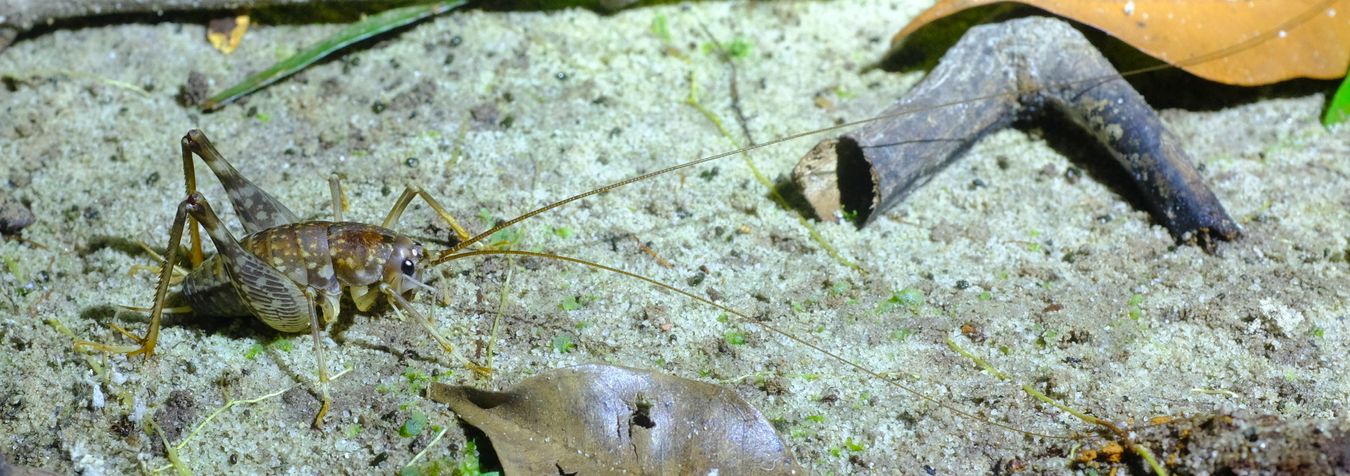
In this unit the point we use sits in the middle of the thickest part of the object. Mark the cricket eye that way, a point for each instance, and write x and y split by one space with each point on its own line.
409 267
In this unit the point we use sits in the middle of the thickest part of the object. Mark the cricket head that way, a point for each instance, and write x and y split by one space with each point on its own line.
403 266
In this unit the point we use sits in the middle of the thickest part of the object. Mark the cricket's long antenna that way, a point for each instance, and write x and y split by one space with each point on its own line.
748 320
1289 24
442 257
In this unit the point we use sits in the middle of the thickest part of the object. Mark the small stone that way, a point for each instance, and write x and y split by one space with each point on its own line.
14 216
195 91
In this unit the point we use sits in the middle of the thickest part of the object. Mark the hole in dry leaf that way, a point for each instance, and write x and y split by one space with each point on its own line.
642 417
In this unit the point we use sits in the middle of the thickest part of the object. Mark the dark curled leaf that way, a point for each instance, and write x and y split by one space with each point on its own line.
371 26
598 419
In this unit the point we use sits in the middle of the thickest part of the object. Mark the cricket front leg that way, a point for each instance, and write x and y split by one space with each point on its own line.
413 191
401 305
314 328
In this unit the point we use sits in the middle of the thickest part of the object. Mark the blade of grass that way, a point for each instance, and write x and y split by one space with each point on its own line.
371 26
1339 109
35 75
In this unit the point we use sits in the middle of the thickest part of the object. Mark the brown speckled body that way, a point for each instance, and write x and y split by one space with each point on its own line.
321 255
284 268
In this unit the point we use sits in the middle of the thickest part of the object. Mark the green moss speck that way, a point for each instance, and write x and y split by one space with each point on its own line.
562 344
574 302
414 425
910 298
415 381
738 48
283 344
1133 307
661 29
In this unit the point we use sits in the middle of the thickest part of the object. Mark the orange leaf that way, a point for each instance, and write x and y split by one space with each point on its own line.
1247 43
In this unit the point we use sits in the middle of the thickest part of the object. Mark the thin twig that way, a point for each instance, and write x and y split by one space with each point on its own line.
732 83
643 246
501 308
1084 416
172 450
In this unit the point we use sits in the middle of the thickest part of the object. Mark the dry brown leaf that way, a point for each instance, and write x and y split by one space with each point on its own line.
1247 43
599 419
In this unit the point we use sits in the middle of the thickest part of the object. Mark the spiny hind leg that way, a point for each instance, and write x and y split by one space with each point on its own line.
195 255
151 337
414 191
257 209
270 295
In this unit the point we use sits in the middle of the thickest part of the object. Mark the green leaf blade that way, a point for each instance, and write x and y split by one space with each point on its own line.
371 26
1339 109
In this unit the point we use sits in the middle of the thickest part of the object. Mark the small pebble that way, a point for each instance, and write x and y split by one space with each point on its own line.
195 90
14 217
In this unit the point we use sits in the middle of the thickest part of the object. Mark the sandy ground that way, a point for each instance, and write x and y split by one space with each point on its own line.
1068 287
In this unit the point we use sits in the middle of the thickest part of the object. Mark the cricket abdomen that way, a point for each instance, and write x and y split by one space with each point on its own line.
210 293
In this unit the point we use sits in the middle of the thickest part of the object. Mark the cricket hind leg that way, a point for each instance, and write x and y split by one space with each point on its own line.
269 294
257 209
193 142
151 338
